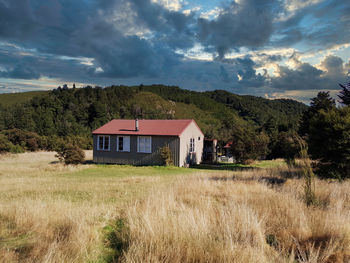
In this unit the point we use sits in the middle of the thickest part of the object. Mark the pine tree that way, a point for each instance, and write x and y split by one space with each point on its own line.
322 101
344 95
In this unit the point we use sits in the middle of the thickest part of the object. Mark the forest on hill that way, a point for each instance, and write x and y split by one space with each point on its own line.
71 114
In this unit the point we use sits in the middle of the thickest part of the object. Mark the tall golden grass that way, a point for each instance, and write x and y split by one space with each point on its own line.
240 218
47 214
50 214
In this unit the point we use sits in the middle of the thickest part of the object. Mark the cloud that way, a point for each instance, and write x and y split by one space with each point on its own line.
247 23
315 23
20 72
172 5
334 67
235 46
306 77
77 30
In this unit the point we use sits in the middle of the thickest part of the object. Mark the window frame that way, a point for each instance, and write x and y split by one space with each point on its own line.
104 141
192 145
125 149
145 147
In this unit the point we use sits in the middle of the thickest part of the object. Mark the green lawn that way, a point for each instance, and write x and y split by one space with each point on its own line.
237 167
119 171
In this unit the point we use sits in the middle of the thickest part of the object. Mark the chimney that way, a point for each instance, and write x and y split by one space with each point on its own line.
136 125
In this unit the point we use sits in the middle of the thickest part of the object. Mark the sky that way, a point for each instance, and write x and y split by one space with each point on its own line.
268 48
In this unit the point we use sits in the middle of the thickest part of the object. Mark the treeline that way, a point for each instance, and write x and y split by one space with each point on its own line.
323 135
258 128
326 129
70 114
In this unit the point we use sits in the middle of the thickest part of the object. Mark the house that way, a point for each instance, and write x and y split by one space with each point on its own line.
227 156
138 142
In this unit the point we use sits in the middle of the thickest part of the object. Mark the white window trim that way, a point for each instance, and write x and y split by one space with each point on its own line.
103 147
193 142
123 143
138 144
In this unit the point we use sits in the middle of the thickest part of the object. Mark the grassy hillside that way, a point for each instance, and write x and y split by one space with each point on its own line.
211 116
259 110
9 99
105 213
76 112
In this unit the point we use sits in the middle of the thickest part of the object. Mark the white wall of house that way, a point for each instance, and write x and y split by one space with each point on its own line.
188 155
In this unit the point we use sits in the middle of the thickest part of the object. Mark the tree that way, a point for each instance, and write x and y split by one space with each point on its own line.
322 101
97 114
287 146
344 95
249 145
329 142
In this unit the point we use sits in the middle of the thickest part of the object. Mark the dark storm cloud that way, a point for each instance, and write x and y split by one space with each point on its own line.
304 76
248 24
334 24
308 77
173 28
134 41
246 72
20 71
320 25
84 30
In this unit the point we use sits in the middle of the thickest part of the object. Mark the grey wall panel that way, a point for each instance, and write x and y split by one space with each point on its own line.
135 158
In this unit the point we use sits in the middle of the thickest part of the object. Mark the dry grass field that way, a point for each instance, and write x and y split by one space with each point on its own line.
55 213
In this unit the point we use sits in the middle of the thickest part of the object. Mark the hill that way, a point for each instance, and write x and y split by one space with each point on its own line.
9 99
76 112
259 110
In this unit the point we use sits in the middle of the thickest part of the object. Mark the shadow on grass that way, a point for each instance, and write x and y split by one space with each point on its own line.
270 180
224 166
84 163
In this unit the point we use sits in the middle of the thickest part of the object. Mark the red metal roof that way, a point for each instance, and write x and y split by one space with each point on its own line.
146 127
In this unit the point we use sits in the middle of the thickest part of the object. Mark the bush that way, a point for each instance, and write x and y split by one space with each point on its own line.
249 145
165 154
71 154
7 146
286 146
28 140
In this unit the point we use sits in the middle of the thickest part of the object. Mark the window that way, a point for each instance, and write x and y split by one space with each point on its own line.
144 144
192 145
120 144
103 143
123 144
199 138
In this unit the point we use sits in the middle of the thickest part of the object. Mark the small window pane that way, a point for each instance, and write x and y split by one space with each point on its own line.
192 144
126 145
121 143
100 142
144 144
106 145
